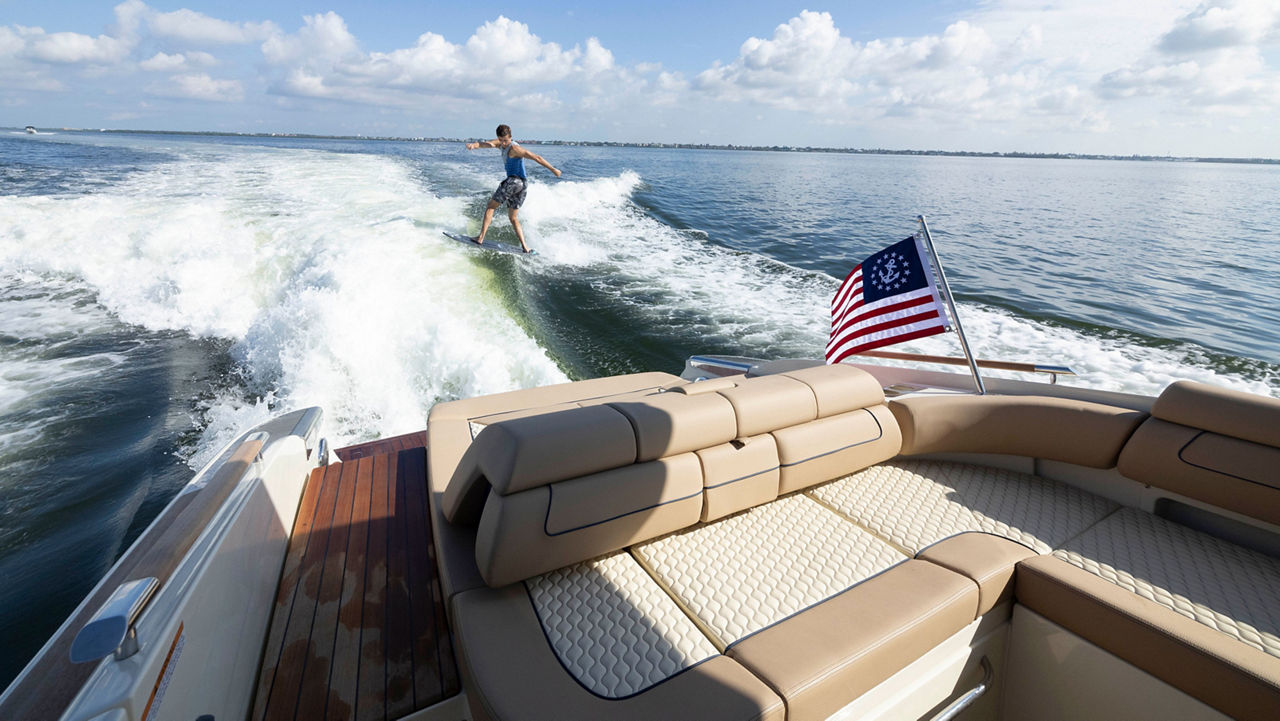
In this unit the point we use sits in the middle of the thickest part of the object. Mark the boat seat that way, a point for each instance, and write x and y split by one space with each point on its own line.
717 568
818 608
1211 444
785 608
1197 612
1060 429
596 640
916 503
453 425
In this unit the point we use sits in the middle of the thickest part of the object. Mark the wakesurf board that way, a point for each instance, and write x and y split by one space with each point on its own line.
487 245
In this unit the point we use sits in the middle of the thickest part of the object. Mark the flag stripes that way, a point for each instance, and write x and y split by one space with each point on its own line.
858 325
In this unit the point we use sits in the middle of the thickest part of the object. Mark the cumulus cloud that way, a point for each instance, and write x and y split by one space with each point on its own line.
164 62
193 28
962 74
324 60
323 39
199 86
1219 25
72 48
1211 59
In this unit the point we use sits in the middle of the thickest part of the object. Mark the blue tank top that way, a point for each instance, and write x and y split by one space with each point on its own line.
514 166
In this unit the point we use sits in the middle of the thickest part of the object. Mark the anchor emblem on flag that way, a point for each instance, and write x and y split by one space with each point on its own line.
890 271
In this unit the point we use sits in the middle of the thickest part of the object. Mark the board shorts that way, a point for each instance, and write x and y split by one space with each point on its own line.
510 192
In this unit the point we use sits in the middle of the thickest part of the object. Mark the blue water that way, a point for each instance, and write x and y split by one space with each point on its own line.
160 293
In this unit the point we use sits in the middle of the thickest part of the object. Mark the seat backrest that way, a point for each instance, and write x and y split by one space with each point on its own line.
1058 429
1211 444
549 490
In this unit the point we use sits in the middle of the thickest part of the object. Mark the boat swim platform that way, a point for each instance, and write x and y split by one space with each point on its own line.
359 629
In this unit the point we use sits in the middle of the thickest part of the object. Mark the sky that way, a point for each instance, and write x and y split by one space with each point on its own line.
1150 77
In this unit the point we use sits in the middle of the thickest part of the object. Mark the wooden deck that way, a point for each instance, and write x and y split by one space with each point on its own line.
359 630
383 445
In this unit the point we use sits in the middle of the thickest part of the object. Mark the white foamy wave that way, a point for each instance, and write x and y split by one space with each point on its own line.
1099 362
40 318
667 274
325 270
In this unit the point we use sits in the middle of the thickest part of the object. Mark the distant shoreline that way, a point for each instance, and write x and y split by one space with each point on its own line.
706 146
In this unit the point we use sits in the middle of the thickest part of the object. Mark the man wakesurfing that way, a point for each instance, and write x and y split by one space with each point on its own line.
512 190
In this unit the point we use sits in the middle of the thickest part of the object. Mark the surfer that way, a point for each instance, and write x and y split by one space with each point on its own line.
512 190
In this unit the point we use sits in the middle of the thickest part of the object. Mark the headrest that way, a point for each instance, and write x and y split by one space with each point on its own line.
672 423
533 451
840 388
1226 412
767 403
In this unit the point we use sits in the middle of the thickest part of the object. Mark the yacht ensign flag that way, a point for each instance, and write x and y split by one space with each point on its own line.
888 298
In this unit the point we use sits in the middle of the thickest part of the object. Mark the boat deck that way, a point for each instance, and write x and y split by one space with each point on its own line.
383 445
359 629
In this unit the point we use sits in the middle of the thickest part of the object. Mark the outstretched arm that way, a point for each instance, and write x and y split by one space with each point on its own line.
537 159
482 144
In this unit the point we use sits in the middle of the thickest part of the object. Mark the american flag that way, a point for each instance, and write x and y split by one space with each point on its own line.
888 298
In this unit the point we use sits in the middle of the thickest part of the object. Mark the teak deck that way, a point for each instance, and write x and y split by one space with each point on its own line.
359 630
383 445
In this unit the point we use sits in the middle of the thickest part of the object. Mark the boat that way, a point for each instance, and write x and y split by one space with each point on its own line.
31 130
747 539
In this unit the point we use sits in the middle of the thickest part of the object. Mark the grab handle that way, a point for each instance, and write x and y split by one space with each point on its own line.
965 701
111 628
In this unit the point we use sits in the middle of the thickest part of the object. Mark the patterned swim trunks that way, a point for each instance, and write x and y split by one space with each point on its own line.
510 192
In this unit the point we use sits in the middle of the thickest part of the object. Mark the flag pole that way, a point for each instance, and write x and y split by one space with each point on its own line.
955 317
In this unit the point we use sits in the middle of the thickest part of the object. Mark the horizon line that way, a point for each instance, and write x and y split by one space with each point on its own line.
1258 160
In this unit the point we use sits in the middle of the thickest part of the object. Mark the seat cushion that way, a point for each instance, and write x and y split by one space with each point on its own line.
987 560
751 570
826 656
915 504
1219 584
1199 613
768 403
818 451
542 529
839 388
625 652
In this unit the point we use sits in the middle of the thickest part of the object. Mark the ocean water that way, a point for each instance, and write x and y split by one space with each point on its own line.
159 294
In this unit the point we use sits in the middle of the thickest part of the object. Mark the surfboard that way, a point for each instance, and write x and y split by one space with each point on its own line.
487 245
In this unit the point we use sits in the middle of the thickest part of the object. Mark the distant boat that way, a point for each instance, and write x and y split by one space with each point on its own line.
31 129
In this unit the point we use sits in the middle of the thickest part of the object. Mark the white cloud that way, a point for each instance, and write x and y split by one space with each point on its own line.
11 43
189 26
73 48
962 75
322 39
1210 60
323 60
164 62
1231 23
199 86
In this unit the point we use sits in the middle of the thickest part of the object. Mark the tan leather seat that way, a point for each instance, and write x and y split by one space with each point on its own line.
449 434
827 655
717 620
1212 444
599 640
915 504
1199 613
988 560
